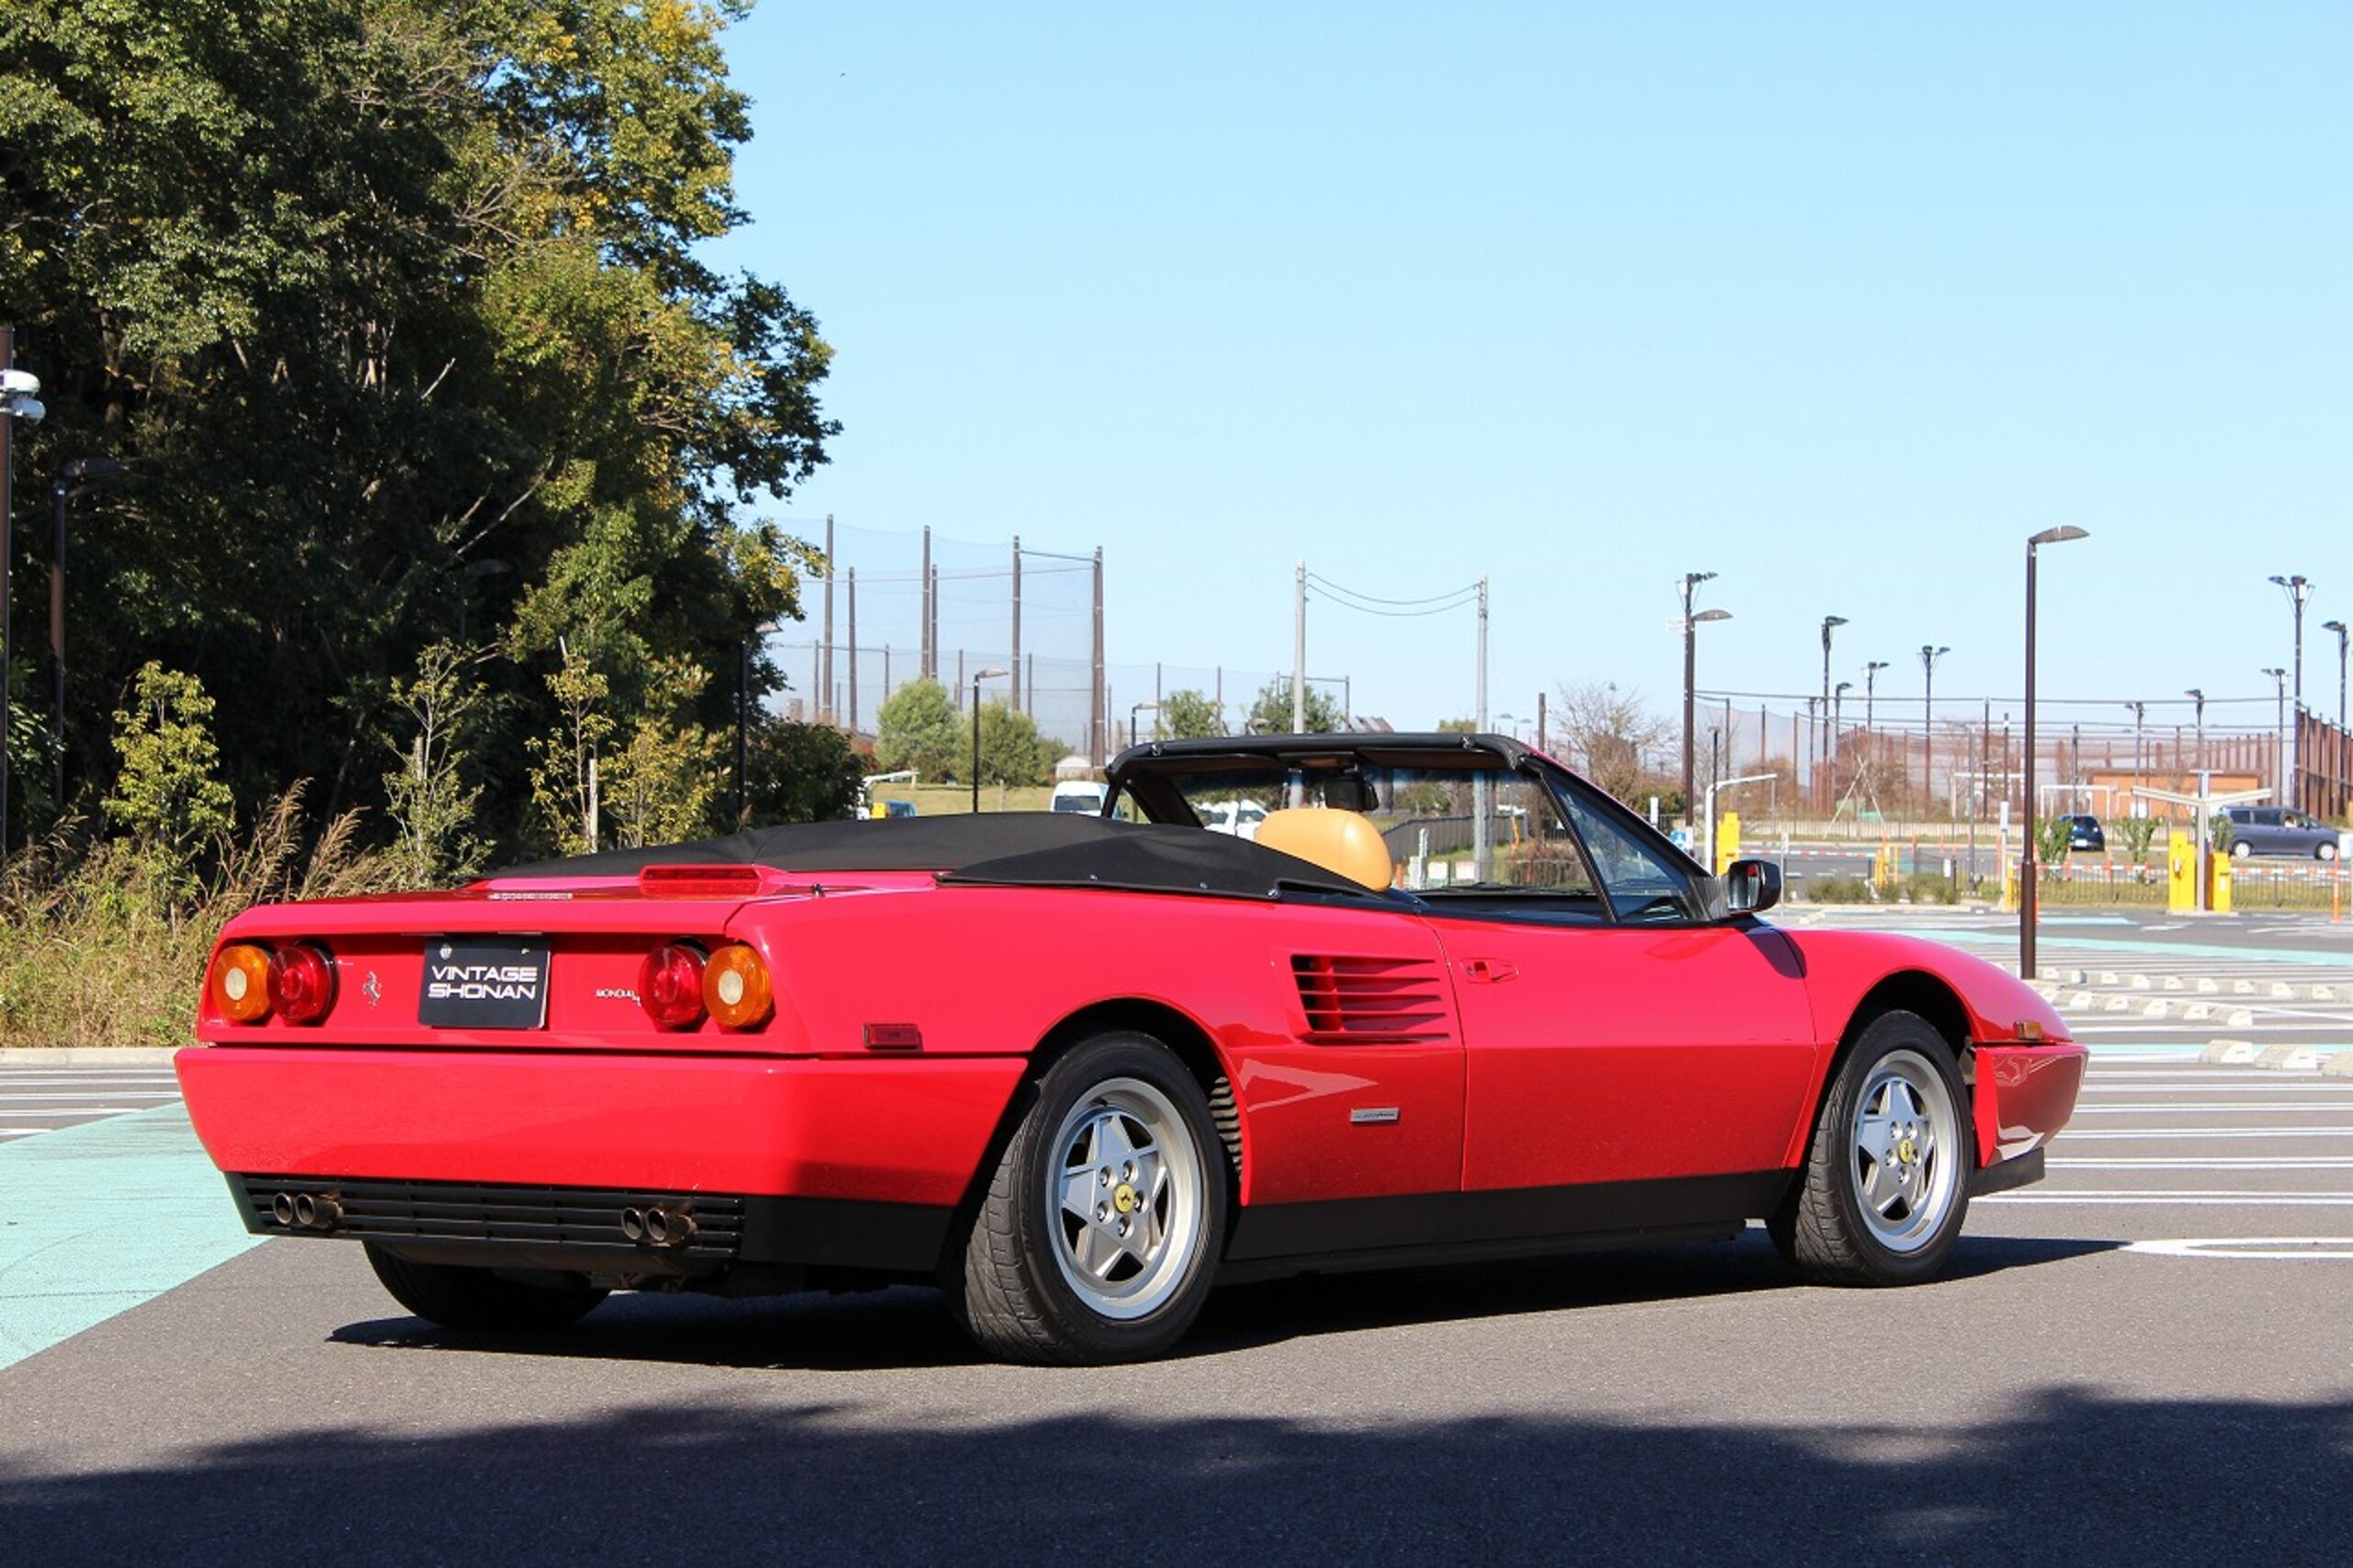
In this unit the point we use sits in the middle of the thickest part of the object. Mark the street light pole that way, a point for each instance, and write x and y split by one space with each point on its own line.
977 677
1690 581
2197 696
2030 871
2280 732
1929 654
2298 588
1135 708
2338 627
1829 623
1838 706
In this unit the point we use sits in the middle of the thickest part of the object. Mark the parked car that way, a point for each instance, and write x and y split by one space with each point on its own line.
2279 830
2084 832
1240 818
1084 796
1077 1070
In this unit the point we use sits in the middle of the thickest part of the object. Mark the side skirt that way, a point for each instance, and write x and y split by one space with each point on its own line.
1433 1227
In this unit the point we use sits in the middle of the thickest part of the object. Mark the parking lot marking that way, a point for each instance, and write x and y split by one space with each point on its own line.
101 1217
2182 1200
2333 1248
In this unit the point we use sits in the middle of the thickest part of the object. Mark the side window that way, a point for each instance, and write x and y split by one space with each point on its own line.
1642 886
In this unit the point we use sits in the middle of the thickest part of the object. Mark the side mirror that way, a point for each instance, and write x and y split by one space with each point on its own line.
1752 887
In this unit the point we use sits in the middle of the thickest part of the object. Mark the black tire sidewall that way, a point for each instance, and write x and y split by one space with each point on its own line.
1885 1036
1090 1334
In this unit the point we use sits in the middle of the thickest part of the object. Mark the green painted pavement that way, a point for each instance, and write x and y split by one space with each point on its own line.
97 1217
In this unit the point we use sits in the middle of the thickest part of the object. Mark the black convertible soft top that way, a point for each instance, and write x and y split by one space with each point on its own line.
996 849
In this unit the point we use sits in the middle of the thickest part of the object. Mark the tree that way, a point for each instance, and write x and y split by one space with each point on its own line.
168 797
1270 714
1012 752
564 760
797 772
398 308
429 795
918 727
1609 732
663 785
1190 715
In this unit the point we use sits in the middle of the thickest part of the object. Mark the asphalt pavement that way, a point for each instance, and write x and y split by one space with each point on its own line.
2144 1357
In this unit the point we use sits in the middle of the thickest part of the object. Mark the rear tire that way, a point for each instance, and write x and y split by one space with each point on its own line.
1885 1187
459 1297
1102 1226
2241 850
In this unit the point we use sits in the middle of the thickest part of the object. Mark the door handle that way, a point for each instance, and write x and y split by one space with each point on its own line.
1489 971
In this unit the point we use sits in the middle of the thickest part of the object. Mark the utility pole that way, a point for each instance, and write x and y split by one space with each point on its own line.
1929 654
2298 588
1690 580
1298 652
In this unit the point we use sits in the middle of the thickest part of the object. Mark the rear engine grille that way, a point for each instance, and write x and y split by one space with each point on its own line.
1370 1000
574 1219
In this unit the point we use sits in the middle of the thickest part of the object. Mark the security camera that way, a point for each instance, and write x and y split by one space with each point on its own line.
21 406
15 381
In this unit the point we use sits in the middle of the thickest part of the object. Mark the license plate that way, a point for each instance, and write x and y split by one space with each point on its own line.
485 983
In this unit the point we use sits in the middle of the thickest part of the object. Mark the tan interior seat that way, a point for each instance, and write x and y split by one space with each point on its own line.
1341 842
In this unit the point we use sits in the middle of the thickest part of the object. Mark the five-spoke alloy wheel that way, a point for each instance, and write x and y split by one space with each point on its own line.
1886 1183
1101 1227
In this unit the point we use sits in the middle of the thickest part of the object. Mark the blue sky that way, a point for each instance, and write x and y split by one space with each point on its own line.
1838 301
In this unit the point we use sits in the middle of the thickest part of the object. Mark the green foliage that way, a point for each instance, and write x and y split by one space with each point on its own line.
1270 712
2050 842
1190 715
2219 832
1012 752
918 727
801 772
2136 833
168 798
397 310
663 786
429 795
564 760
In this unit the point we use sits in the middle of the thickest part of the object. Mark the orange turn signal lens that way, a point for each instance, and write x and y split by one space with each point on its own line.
735 987
240 982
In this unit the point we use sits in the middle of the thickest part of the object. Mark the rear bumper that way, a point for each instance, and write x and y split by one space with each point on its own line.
583 1229
899 1131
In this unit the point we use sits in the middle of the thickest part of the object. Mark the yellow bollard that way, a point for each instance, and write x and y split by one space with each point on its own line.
1727 841
2181 873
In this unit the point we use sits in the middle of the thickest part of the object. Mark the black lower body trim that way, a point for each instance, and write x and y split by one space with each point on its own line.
580 1230
2019 1170
1432 1226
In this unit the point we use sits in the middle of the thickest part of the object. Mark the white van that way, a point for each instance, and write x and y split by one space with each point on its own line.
1079 795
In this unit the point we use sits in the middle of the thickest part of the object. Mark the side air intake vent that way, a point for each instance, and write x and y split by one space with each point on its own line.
1367 1001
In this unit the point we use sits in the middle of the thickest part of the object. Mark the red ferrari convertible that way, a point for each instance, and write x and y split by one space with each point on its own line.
1451 1001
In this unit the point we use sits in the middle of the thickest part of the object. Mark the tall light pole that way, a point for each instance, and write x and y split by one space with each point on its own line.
979 676
2140 719
2197 696
1829 624
19 399
2027 889
1838 705
2298 588
1135 708
2279 733
1928 656
1690 581
2338 627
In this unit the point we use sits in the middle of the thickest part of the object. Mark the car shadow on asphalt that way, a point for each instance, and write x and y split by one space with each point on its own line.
909 1326
2059 1472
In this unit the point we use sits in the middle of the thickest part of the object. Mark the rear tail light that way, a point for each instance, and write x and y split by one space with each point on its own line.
248 982
670 985
735 987
240 982
302 984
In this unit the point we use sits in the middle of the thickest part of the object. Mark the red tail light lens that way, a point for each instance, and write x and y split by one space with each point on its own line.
735 987
240 982
669 986
302 984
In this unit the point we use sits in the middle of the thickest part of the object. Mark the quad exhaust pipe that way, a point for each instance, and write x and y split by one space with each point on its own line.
659 1225
307 1210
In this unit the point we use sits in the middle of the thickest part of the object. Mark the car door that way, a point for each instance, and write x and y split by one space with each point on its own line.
1646 1046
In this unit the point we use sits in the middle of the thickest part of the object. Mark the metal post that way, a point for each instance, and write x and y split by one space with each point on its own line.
1829 623
850 591
2298 588
1929 654
825 665
1095 723
1298 651
1690 581
1016 661
924 652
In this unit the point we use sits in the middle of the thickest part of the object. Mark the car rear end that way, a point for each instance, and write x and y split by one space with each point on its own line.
611 1077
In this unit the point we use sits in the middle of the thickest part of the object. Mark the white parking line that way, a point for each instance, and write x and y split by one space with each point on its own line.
10 1098
2182 1200
2211 1163
2180 1132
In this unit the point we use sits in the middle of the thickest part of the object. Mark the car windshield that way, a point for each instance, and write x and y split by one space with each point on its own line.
1470 836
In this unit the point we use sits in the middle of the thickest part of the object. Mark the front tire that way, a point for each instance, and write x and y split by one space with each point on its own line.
459 1297
1886 1182
1102 1225
2325 852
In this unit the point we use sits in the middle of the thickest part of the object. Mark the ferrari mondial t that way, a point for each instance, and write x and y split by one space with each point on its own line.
1289 1003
